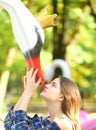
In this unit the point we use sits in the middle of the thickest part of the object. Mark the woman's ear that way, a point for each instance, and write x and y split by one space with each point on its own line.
61 97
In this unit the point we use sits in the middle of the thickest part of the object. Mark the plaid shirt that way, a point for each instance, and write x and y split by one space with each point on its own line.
20 121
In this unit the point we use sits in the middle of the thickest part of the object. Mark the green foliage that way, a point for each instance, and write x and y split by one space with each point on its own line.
7 41
83 55
4 31
81 50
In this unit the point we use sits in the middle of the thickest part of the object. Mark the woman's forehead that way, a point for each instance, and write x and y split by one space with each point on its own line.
57 81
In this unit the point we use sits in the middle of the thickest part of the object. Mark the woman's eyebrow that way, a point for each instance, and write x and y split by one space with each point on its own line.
53 82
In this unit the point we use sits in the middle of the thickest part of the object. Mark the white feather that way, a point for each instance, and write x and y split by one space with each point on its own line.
49 73
23 24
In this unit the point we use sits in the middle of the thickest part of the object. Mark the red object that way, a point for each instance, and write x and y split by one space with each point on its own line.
35 62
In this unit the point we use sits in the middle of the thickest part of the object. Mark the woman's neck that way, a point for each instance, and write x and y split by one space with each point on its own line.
54 111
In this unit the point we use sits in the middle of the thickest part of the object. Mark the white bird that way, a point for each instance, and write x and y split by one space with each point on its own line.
27 31
57 63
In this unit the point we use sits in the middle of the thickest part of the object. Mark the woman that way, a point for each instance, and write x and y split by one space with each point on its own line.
63 100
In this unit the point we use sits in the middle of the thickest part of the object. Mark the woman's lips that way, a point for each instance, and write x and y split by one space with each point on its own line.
45 89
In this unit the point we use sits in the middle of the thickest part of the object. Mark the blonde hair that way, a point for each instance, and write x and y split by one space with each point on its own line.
72 100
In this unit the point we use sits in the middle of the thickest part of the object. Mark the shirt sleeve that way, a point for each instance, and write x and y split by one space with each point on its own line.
16 120
19 120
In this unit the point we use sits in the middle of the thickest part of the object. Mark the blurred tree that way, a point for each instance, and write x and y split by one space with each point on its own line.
73 39
93 7
6 74
8 56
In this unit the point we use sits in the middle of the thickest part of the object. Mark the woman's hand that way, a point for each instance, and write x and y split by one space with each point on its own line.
30 86
30 83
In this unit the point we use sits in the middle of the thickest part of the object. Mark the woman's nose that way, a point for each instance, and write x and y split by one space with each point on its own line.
47 85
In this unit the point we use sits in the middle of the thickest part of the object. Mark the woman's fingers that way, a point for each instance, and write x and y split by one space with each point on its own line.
38 81
30 82
25 81
29 72
34 74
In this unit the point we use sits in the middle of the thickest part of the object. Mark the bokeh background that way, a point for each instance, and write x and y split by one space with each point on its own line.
73 39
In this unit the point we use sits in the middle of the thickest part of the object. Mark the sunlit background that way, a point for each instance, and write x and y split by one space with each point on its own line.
73 39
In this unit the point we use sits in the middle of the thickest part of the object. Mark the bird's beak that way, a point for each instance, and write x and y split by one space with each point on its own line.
35 62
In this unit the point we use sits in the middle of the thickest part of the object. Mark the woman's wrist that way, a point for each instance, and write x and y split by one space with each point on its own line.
27 94
23 105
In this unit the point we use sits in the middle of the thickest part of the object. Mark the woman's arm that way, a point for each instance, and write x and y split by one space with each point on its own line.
22 103
17 118
21 98
30 86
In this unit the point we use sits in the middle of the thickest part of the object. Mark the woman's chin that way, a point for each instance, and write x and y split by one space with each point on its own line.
43 95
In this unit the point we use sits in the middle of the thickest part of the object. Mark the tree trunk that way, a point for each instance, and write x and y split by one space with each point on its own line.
60 35
60 40
5 76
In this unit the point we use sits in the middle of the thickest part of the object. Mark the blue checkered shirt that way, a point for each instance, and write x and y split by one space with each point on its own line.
20 121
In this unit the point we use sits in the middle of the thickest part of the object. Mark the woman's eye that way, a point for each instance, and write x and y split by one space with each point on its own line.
53 85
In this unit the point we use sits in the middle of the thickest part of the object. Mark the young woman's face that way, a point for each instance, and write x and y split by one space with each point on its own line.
52 91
